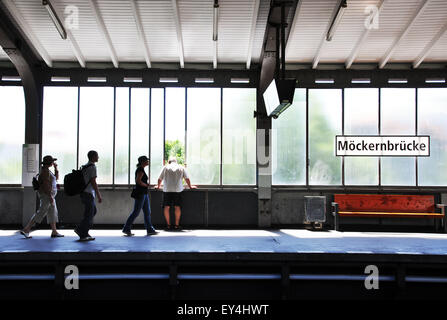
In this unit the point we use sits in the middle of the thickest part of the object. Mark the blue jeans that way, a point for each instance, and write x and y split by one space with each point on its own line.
89 213
142 202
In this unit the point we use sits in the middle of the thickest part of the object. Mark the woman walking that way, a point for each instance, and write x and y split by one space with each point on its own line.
141 199
47 194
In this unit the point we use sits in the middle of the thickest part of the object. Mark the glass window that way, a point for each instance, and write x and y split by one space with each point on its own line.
96 129
325 116
122 136
203 135
12 133
398 113
432 121
289 143
239 136
361 118
175 124
139 127
157 116
60 123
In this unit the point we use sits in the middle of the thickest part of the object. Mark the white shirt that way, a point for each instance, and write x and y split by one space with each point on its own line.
89 173
172 176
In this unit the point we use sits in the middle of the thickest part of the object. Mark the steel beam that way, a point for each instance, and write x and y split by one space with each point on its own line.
396 43
104 32
140 29
179 33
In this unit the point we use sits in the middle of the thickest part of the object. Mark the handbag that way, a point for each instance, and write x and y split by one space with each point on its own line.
134 193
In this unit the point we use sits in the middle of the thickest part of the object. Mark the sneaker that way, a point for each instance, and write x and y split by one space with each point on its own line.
25 234
152 232
128 233
88 238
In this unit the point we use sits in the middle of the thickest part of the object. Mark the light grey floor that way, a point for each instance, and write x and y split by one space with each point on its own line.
276 241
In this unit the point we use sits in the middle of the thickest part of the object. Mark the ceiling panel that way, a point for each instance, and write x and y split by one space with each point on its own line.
439 51
37 17
120 24
88 34
196 18
234 30
425 28
158 22
261 25
235 16
349 31
311 24
393 19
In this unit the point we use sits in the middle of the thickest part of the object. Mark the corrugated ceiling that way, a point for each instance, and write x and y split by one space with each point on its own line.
306 43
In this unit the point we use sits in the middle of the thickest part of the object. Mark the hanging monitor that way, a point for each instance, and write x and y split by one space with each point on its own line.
279 96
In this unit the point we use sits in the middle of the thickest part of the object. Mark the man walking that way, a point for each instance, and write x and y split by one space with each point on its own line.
172 177
88 197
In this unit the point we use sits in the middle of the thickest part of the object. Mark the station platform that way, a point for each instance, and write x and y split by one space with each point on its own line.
224 264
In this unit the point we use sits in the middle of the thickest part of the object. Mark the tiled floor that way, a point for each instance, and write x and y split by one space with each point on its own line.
270 241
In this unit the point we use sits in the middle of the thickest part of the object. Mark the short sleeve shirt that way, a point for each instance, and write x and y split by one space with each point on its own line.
172 176
89 173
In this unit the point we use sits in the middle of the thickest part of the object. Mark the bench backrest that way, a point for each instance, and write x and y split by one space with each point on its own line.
385 203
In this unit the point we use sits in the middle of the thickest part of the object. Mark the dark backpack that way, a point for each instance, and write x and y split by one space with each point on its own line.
36 184
74 182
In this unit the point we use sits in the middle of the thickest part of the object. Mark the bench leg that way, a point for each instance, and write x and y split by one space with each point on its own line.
336 220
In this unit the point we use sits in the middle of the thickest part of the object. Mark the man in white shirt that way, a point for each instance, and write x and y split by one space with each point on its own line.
172 177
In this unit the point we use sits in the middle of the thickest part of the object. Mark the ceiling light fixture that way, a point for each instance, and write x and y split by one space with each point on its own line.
334 25
53 15
215 18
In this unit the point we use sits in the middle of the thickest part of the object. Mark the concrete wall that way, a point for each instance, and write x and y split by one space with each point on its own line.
201 208
11 206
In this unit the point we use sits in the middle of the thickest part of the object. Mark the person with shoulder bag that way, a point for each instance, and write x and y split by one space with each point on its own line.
47 190
140 194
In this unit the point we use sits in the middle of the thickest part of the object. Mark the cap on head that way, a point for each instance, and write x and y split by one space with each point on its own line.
142 160
48 160
172 159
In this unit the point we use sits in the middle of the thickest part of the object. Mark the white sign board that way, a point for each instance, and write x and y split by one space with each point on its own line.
30 163
382 146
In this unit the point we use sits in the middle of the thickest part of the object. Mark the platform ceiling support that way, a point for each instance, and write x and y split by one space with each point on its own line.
323 39
17 15
429 47
178 28
141 34
254 19
396 44
27 66
104 32
362 39
268 56
73 43
269 69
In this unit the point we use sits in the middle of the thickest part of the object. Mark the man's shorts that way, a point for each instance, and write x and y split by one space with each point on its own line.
172 199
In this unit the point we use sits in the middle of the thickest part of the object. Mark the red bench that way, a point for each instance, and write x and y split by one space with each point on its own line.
387 206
